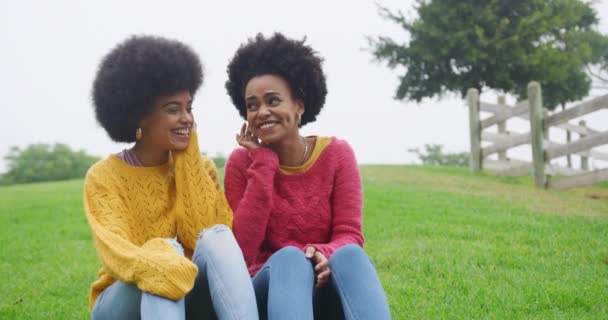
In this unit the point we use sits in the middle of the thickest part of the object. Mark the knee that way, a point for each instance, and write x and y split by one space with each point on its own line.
348 254
293 259
216 241
290 253
215 234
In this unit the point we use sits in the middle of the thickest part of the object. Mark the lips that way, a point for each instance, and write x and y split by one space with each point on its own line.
181 131
267 125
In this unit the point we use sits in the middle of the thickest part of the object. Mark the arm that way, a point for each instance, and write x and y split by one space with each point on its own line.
223 211
346 203
200 203
154 267
249 189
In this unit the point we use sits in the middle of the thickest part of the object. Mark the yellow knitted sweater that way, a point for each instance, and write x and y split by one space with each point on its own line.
131 210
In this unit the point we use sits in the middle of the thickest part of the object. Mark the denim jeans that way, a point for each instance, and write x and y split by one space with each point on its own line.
284 287
222 288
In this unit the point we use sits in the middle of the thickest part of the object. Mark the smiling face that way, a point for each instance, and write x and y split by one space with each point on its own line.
167 127
272 113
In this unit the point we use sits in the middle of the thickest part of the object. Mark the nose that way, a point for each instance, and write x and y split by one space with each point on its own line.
186 117
264 110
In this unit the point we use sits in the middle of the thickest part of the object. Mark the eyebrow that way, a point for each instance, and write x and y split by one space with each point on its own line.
267 93
175 102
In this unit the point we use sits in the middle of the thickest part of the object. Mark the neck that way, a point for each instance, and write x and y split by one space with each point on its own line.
149 156
291 151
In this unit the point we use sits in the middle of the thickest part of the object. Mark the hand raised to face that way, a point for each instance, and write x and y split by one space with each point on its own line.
246 138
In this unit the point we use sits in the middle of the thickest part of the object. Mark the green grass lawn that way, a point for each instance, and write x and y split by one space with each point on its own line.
447 245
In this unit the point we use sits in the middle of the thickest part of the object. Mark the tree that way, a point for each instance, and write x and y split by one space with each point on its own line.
599 71
498 44
43 162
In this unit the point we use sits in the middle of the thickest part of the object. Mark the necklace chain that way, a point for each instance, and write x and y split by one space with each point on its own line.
305 150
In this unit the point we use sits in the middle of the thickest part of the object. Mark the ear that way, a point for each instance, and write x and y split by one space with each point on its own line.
300 107
143 122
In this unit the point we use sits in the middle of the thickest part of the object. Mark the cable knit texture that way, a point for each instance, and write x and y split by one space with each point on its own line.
321 207
131 210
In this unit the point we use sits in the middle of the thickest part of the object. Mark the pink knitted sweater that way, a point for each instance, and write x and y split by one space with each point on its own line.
321 207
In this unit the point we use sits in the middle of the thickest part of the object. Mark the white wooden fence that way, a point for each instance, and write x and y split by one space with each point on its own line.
543 149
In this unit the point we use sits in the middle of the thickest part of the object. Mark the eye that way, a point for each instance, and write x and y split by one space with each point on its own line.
251 107
172 110
273 101
189 110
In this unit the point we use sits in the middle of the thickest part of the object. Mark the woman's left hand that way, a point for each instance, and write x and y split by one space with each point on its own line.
321 263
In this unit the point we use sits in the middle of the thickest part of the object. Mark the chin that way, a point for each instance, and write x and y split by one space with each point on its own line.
179 147
270 139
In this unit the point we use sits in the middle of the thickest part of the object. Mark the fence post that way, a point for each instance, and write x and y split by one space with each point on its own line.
568 140
474 129
502 128
536 131
584 160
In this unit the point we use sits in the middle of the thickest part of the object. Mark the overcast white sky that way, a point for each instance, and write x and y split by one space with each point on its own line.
51 50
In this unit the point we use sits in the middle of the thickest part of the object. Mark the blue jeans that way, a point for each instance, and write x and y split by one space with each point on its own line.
284 287
222 288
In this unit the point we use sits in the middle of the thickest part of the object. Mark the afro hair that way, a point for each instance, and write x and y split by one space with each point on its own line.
134 74
292 60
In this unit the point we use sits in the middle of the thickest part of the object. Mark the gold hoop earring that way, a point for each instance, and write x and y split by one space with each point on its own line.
138 134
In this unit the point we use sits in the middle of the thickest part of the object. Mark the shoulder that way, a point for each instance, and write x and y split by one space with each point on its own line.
237 163
340 143
340 148
239 157
102 173
239 153
101 168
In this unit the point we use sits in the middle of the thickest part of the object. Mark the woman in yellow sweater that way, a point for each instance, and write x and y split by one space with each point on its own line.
160 223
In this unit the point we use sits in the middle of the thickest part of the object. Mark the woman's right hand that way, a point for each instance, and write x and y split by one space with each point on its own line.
246 138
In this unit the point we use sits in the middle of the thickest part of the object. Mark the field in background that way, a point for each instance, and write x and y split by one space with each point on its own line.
446 244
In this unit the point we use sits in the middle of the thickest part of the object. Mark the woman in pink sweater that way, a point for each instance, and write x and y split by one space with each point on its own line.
297 200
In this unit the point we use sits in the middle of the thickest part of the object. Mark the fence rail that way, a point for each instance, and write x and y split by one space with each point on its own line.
543 149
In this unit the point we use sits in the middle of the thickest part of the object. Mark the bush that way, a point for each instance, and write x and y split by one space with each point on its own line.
433 155
43 162
219 160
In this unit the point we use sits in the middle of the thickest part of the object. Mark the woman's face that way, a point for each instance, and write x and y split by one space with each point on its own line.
272 113
168 125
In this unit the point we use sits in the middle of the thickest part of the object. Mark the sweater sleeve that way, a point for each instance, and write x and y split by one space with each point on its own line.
223 210
249 185
346 202
153 267
199 199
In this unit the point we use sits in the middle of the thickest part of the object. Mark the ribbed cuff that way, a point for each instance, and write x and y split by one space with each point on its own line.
325 249
264 155
162 271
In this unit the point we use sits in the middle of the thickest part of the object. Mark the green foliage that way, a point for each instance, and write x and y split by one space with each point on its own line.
434 155
498 44
219 160
599 71
43 162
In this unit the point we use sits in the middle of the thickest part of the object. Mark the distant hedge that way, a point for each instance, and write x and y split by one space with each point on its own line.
44 162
